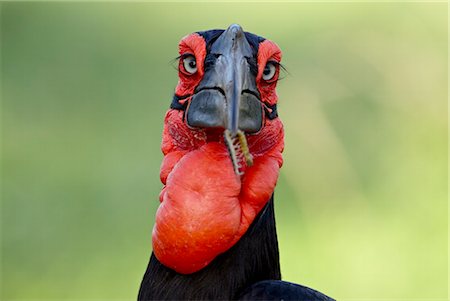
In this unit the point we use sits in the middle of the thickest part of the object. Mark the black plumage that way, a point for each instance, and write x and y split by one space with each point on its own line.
249 270
281 290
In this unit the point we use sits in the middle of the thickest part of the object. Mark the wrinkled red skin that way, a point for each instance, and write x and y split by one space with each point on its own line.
205 207
191 44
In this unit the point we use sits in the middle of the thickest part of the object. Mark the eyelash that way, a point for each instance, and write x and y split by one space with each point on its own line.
250 60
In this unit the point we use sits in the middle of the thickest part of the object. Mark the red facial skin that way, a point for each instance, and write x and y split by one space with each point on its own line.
205 207
192 44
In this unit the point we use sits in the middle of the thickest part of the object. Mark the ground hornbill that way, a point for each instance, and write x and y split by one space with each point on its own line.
214 236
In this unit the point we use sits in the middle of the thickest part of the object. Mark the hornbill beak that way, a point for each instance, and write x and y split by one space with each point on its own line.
227 96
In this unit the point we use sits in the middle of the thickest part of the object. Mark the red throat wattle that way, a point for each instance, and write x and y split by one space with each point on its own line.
205 206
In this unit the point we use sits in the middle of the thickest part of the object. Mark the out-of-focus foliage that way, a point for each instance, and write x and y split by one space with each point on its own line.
362 197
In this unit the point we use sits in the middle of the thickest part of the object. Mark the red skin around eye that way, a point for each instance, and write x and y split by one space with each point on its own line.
205 207
268 51
192 44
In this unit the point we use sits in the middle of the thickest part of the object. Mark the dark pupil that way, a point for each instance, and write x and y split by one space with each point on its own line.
266 70
192 64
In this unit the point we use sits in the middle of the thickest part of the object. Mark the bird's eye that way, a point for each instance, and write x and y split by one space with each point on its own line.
269 71
189 64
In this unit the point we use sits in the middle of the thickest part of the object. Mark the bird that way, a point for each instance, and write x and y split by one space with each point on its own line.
214 236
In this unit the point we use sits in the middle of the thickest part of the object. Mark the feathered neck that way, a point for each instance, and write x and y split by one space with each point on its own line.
253 258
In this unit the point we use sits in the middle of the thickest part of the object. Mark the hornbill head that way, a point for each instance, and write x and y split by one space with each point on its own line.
222 144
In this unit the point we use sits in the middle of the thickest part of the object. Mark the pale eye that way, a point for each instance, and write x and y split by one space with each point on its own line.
190 65
269 71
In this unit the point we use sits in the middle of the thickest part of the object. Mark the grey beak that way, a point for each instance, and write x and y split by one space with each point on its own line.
227 96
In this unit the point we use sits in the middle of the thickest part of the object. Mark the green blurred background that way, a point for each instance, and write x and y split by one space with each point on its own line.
361 202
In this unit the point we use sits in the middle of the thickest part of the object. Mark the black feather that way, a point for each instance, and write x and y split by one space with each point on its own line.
281 290
210 36
250 270
254 41
254 258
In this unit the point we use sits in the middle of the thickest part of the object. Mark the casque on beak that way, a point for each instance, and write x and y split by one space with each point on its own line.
227 96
